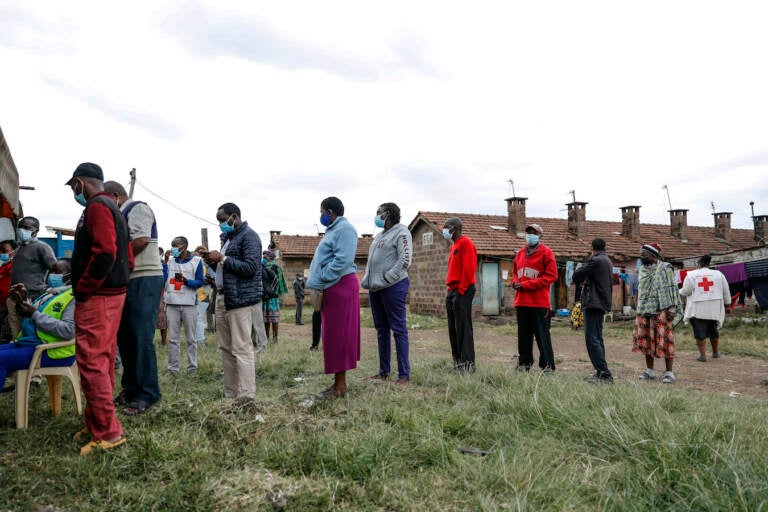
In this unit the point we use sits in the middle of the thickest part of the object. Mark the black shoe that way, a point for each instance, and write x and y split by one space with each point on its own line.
299 324
8 388
313 347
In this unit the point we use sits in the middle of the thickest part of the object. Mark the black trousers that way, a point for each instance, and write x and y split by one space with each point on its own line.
534 322
299 306
459 309
317 322
593 336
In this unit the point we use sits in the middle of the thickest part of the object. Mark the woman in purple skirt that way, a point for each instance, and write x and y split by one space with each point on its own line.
333 273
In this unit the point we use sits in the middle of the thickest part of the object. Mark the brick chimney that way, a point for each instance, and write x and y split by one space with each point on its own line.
678 224
577 218
516 215
630 222
761 222
723 225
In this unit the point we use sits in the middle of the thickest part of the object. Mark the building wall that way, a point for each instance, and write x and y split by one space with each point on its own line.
427 272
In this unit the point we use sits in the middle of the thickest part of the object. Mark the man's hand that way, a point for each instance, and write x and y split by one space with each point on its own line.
516 285
167 257
214 257
19 291
25 309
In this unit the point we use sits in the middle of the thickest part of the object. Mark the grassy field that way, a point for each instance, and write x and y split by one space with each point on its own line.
552 443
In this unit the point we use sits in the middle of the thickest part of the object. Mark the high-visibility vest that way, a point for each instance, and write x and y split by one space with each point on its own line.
54 307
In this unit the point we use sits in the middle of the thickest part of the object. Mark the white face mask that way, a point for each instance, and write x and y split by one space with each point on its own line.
24 235
447 234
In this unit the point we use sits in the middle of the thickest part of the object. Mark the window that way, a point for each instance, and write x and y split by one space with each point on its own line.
426 238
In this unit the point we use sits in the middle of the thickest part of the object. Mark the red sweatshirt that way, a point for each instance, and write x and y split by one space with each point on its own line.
535 273
462 265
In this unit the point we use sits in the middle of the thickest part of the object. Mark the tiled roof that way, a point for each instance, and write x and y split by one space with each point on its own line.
489 233
303 246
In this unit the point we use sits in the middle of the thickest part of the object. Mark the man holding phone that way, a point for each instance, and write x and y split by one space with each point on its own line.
185 276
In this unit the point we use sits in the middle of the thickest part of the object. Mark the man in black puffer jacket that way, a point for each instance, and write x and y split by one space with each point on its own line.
238 284
595 302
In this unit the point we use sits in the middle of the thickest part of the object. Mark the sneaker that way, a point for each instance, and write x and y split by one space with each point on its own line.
192 372
715 355
646 376
702 359
669 378
548 371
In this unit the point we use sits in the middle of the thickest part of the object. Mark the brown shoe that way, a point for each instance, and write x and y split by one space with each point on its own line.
403 381
378 376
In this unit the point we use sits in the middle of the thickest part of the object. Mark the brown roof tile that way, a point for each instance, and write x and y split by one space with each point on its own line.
303 246
489 233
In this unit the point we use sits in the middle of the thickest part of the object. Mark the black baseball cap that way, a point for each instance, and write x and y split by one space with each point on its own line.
86 170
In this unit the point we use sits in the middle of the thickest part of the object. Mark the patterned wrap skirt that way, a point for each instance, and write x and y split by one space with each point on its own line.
654 335
271 310
162 319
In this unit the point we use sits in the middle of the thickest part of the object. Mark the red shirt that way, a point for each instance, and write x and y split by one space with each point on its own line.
535 273
5 282
462 265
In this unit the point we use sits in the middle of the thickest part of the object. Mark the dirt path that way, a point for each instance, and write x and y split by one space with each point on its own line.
730 375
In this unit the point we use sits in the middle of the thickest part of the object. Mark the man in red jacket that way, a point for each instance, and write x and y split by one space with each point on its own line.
533 271
462 265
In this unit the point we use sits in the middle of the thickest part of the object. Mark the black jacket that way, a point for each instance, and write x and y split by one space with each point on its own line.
598 285
242 270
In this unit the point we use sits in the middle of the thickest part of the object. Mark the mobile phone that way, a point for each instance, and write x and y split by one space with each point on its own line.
178 276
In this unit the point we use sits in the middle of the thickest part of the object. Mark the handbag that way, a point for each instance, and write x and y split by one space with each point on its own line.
316 298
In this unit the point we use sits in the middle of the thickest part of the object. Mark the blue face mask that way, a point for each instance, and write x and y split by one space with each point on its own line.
263 261
24 235
379 221
5 258
531 239
447 234
226 227
325 219
55 280
80 198
175 252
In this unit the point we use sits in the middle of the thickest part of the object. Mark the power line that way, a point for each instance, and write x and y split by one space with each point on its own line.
174 206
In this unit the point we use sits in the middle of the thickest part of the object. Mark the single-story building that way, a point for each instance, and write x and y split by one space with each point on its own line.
499 237
294 254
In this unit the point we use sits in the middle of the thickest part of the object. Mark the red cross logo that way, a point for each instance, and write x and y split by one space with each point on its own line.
178 284
705 283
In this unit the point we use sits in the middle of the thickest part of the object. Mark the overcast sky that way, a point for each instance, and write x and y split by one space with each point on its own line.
432 105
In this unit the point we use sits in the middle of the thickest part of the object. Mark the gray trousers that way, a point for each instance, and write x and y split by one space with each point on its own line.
258 334
178 315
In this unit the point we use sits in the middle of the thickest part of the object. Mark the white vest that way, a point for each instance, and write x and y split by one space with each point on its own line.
707 284
177 293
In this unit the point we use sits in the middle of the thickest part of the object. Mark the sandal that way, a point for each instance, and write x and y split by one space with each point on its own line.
331 394
82 432
137 408
122 398
102 444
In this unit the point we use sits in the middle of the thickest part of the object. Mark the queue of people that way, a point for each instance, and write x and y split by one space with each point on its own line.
119 287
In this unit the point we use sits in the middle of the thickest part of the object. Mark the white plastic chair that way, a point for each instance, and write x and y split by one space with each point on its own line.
53 374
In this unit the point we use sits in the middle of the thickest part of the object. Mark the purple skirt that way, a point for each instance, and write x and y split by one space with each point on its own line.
341 325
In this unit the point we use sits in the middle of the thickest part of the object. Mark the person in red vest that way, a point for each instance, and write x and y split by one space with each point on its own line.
462 266
533 271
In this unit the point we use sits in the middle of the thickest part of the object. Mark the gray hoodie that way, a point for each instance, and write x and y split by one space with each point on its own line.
388 258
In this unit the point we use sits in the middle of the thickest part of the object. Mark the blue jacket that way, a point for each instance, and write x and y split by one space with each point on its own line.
335 255
242 269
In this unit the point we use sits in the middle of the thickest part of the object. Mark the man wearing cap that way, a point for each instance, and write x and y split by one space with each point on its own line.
658 302
462 266
596 298
533 271
101 264
708 294
135 338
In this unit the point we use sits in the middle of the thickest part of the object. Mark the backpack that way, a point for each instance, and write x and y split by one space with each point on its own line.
268 283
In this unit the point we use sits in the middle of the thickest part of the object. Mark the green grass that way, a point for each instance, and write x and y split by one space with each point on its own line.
555 443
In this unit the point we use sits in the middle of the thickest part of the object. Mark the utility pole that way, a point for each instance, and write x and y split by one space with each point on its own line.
204 236
669 201
133 182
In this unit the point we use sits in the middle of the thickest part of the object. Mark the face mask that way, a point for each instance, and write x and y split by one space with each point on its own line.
175 252
325 219
80 198
379 221
24 235
55 280
5 258
226 227
263 261
531 239
447 234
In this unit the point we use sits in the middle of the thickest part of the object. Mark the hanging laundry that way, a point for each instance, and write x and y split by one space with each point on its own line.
733 272
760 291
569 268
684 273
678 279
758 268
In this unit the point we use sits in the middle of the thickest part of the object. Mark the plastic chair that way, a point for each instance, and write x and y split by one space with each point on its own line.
608 316
53 374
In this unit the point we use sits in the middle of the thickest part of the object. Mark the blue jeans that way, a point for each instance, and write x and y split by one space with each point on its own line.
14 356
135 338
388 309
593 336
